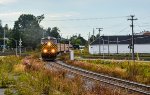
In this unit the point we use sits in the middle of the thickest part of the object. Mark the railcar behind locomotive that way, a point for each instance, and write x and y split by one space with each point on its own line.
49 48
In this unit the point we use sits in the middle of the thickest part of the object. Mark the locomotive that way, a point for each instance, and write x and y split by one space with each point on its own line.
49 49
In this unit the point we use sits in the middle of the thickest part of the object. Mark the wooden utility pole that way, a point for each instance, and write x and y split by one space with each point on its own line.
89 38
108 46
99 29
4 44
117 45
93 34
132 26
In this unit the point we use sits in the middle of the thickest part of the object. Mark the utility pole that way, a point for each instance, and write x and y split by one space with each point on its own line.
4 41
16 47
103 48
99 29
117 45
132 26
108 46
89 39
93 34
60 43
68 43
20 44
64 47
44 33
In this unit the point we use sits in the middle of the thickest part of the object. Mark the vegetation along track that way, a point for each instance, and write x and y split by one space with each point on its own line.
125 84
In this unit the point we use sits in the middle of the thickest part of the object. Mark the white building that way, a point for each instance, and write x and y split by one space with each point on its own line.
120 44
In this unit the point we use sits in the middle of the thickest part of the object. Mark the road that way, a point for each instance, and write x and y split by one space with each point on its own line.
2 91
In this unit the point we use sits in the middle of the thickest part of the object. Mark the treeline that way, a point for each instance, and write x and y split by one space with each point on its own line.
28 29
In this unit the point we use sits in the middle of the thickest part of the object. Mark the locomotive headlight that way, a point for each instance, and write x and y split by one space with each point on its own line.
45 50
53 51
49 43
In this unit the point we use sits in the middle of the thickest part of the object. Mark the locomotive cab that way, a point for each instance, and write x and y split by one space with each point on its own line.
49 48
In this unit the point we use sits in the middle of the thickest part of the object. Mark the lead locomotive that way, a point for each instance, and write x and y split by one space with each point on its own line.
49 49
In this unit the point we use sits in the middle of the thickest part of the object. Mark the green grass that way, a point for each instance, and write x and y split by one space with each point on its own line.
138 71
34 79
124 56
6 69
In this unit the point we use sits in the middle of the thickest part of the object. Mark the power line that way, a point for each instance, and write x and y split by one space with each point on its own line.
81 19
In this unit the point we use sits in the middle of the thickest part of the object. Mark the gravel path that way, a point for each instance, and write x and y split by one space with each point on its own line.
2 91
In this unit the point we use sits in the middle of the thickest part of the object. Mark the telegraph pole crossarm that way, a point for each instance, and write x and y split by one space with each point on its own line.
132 26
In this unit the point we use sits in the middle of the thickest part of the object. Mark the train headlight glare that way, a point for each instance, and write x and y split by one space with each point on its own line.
49 43
53 51
45 50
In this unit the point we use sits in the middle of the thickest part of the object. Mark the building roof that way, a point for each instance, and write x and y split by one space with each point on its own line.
123 39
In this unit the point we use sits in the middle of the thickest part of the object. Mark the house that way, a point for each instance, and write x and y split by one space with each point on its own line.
120 44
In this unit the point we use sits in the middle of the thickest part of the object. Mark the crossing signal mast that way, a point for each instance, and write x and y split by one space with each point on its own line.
20 44
132 26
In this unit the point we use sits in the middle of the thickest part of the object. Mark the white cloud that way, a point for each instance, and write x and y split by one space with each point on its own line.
62 15
9 17
4 2
11 14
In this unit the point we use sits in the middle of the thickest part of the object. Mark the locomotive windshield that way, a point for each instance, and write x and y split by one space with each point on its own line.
51 39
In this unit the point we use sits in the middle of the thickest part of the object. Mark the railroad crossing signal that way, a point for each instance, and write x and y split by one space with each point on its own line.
20 42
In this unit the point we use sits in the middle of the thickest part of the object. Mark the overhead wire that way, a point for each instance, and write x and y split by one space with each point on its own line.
81 19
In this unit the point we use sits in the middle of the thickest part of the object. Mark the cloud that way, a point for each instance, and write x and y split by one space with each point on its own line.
11 14
9 18
4 2
62 15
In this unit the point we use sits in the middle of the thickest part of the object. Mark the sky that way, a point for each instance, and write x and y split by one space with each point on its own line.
74 17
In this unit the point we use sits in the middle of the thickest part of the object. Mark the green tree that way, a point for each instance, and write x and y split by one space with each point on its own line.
91 38
28 29
78 40
48 31
82 41
1 29
55 32
1 34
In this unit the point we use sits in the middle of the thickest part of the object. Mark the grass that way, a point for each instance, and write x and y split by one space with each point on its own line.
120 56
28 76
6 69
138 72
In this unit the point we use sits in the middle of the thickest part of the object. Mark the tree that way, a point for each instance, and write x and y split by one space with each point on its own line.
1 29
1 34
54 32
40 18
28 29
91 38
48 31
82 41
78 40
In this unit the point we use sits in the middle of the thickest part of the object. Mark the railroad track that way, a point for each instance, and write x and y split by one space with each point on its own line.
125 84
